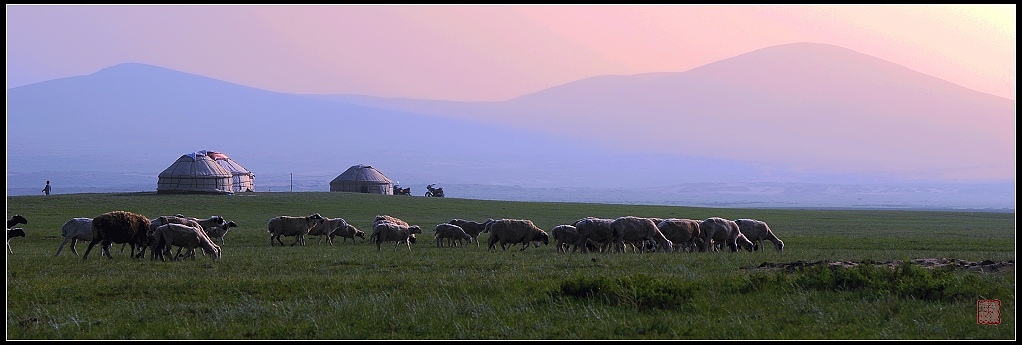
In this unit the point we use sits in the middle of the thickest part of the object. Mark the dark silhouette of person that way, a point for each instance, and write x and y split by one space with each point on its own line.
47 188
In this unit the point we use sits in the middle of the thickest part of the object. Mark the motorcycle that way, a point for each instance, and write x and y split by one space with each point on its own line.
402 191
434 192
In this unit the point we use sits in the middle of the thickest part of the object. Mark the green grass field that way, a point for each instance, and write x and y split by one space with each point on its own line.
352 291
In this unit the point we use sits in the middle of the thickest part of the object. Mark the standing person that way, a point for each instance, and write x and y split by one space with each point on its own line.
47 188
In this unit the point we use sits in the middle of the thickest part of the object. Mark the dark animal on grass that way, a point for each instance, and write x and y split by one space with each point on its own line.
509 232
292 226
74 230
118 227
15 220
12 233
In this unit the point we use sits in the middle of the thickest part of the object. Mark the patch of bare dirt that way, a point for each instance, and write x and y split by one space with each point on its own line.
981 266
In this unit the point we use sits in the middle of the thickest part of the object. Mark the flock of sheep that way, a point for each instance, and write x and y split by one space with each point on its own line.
590 234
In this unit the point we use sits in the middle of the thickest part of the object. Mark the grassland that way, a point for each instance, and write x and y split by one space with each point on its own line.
352 291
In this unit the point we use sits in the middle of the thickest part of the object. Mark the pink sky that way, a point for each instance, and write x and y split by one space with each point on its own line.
489 52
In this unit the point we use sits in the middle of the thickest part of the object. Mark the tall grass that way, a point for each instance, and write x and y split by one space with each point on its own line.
353 291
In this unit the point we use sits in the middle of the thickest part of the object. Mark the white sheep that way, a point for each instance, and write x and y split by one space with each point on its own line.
292 226
717 232
683 232
472 228
638 230
564 236
515 231
327 229
218 232
386 231
184 236
596 230
757 231
451 233
74 230
348 231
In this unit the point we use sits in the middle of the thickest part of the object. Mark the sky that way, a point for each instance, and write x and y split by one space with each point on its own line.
489 52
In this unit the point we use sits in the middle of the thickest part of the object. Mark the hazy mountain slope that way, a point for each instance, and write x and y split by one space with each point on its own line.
140 118
756 129
803 105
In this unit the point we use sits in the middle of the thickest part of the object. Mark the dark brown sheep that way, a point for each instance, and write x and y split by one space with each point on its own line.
118 227
516 231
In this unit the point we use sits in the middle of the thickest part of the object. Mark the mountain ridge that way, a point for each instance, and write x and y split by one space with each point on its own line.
585 134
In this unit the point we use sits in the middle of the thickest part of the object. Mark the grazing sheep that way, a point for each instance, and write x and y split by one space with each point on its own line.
163 220
451 233
15 220
118 227
183 236
472 228
683 232
348 231
11 233
638 230
74 230
386 231
218 232
292 226
757 231
515 231
564 236
327 229
597 230
389 218
717 232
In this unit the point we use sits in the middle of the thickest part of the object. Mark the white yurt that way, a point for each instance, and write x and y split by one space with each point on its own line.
194 173
243 179
362 179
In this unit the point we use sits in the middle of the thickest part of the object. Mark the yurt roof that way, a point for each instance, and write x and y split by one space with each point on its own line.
195 165
225 161
361 173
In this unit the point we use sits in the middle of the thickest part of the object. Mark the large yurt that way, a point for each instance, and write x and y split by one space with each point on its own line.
362 179
243 179
194 173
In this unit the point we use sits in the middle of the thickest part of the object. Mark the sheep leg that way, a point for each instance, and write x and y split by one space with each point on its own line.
66 240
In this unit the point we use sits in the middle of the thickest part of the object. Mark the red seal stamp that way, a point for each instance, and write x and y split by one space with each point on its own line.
988 312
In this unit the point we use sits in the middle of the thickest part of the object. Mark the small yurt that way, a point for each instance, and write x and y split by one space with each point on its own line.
362 179
243 179
194 173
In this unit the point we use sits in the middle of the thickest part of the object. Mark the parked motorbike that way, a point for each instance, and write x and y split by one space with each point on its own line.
402 191
434 192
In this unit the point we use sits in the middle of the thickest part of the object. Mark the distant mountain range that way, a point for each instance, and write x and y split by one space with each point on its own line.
784 115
